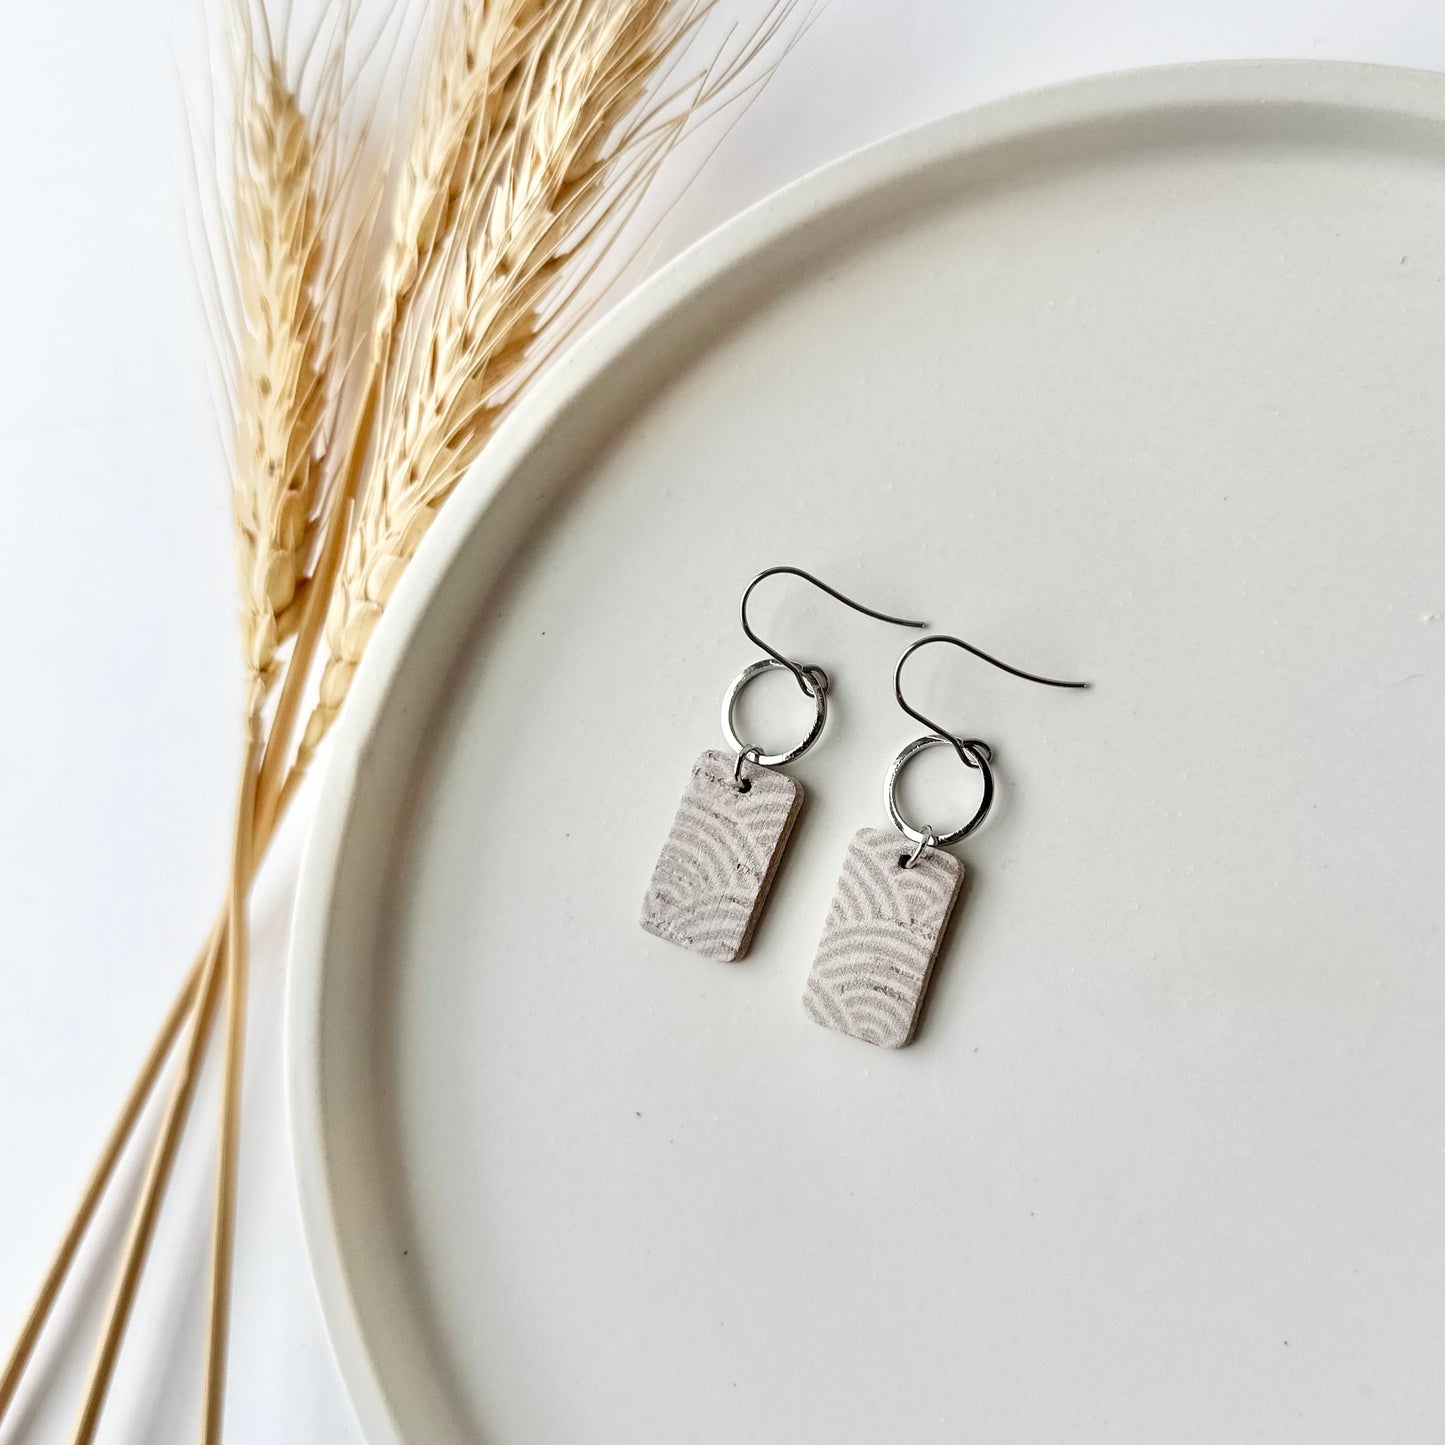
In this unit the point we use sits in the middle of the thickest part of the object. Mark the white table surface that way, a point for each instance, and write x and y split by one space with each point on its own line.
119 730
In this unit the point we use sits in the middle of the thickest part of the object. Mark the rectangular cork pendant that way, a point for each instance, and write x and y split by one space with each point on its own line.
880 939
718 862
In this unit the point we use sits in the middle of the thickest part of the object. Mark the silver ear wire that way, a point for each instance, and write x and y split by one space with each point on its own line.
974 753
810 679
964 747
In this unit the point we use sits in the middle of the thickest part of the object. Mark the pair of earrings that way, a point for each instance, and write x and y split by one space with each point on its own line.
897 888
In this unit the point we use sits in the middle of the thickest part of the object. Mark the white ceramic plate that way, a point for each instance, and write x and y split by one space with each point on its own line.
1144 379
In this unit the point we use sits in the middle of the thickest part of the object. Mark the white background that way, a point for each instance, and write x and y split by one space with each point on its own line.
118 735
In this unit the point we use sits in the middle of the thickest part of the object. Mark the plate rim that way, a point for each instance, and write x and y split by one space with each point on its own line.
743 240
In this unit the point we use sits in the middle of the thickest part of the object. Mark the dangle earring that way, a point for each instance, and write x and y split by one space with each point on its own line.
713 876
895 895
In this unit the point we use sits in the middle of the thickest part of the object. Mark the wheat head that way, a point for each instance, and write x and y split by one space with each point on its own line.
476 54
285 260
568 144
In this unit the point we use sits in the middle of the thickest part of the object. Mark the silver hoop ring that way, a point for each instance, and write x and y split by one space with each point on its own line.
924 835
816 690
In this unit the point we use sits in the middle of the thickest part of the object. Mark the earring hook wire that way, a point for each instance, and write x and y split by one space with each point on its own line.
964 746
809 678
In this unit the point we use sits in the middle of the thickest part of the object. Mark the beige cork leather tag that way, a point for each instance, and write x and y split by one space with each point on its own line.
880 939
719 859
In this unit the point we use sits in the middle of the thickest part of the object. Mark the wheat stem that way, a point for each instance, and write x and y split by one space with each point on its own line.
266 808
206 997
269 806
195 1003
96 1185
223 1251
157 1180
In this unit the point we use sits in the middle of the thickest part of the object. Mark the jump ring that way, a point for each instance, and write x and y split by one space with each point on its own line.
924 844
748 754
921 835
817 692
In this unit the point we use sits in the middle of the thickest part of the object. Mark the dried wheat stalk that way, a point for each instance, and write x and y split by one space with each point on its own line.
280 344
555 150
537 125
278 414
287 182
291 249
